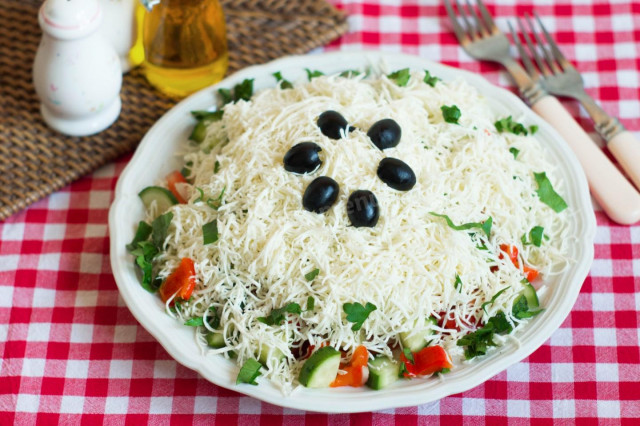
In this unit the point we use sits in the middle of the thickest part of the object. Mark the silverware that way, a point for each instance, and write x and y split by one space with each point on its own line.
481 39
559 77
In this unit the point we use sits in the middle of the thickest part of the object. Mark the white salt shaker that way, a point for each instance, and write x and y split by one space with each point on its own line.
119 27
76 72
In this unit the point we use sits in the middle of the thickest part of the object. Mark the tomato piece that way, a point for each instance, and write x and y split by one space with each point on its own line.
512 252
427 361
181 282
530 273
172 179
353 371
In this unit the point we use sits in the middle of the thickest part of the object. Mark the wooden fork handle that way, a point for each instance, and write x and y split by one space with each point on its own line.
618 198
626 148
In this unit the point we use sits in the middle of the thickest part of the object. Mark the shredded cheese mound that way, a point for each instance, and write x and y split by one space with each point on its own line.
406 265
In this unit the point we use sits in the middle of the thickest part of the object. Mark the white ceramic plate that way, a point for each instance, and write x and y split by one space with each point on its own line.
155 157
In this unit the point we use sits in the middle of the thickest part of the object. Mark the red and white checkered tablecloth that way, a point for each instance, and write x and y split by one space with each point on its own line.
72 353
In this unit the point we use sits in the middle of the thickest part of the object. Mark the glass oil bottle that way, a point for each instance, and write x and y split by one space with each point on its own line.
182 44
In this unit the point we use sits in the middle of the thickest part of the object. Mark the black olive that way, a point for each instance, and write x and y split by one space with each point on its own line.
397 174
302 158
331 122
385 133
320 195
362 209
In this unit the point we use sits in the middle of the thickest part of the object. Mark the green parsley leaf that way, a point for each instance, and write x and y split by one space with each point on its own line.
147 269
547 194
443 371
514 151
350 73
244 90
458 284
485 226
249 372
277 316
145 249
142 233
284 84
209 116
357 313
493 299
508 125
160 228
401 77
536 235
408 355
226 96
431 80
194 322
450 114
520 309
216 167
210 232
311 303
533 129
201 196
312 275
477 342
313 74
186 169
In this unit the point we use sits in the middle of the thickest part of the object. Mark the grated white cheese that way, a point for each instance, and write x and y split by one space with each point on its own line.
406 265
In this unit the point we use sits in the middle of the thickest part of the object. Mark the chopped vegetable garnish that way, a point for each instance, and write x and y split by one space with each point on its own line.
142 234
284 84
249 372
195 322
146 266
427 361
353 371
313 74
508 125
357 313
311 303
485 226
174 178
216 167
535 236
493 299
408 355
521 309
160 226
241 91
458 284
401 77
205 118
512 252
181 282
450 114
350 73
477 342
547 194
431 80
210 232
515 152
312 275
277 316
533 129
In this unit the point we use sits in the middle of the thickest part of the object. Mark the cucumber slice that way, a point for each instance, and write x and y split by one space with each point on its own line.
532 297
162 196
383 371
267 352
215 339
321 368
416 341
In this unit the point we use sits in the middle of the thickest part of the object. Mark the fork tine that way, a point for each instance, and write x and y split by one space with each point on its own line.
479 26
552 64
564 63
488 20
532 50
461 34
470 29
526 60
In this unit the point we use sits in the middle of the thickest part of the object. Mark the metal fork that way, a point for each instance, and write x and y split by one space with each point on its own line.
560 77
481 39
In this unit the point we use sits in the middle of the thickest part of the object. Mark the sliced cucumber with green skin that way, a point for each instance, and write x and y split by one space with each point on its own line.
321 368
383 371
215 339
532 297
267 352
416 341
162 196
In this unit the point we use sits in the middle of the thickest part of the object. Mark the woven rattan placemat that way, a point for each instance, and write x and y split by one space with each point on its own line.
36 161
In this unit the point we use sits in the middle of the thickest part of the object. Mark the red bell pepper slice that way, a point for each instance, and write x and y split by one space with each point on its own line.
354 371
172 179
512 251
181 282
427 361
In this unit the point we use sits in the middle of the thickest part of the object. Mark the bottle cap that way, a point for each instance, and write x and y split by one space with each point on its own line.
69 19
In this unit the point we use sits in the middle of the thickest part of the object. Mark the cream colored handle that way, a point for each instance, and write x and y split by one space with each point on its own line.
626 148
618 198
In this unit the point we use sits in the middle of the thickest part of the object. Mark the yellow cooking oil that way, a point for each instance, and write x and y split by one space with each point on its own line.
181 45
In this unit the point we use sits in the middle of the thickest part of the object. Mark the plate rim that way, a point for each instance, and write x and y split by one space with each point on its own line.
402 396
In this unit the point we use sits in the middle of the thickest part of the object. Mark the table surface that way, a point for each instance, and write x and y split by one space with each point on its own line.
71 351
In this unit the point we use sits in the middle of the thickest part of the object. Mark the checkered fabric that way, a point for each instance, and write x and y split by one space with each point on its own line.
72 353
